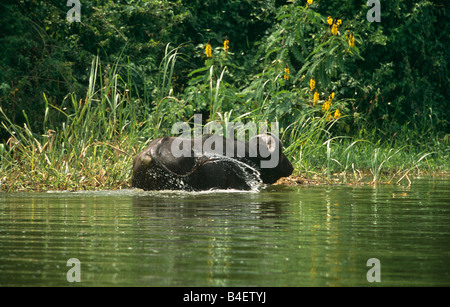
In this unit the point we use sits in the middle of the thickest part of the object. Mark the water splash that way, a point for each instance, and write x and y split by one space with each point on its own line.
252 178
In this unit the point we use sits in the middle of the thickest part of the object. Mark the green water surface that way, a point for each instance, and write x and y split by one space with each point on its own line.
280 236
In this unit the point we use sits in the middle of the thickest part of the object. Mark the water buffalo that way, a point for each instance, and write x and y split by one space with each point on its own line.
210 162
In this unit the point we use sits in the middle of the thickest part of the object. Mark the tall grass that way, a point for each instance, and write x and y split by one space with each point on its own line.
93 147
344 159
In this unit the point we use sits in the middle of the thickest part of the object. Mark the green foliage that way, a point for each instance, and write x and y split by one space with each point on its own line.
404 77
93 147
43 53
132 68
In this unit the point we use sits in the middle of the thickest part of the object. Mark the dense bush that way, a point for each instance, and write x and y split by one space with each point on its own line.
395 78
43 53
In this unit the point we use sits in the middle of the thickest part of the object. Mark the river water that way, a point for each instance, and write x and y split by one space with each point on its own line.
280 236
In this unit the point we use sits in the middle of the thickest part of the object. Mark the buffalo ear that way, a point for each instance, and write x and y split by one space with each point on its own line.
263 145
271 141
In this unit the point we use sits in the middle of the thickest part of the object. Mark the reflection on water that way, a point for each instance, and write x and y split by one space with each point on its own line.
281 236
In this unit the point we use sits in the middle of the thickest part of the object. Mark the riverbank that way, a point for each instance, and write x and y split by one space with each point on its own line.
109 176
92 146
296 180
80 156
328 89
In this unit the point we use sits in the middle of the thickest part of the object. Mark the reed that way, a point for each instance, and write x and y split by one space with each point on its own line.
94 146
91 149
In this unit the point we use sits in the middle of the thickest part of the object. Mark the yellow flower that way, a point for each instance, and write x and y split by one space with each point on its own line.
331 97
226 44
339 22
330 20
316 98
310 1
328 117
351 40
286 73
326 106
334 29
337 114
312 84
208 50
